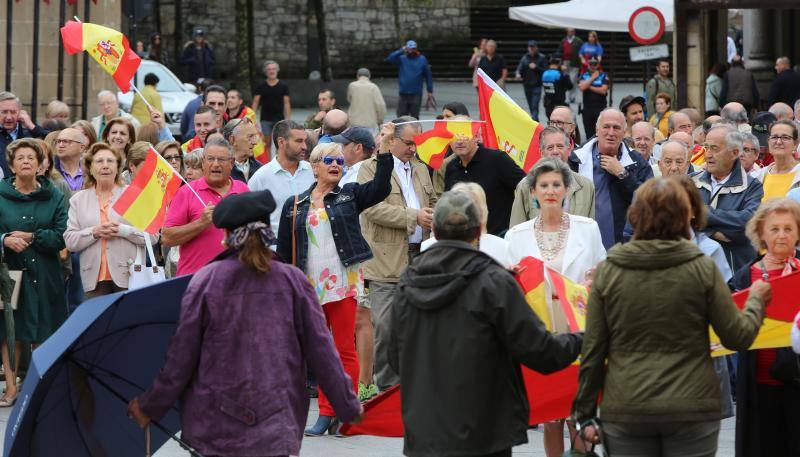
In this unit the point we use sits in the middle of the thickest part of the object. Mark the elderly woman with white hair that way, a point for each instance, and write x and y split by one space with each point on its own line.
494 246
751 149
320 233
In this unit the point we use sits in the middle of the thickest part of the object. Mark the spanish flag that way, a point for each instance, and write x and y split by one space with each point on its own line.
698 155
432 145
507 127
530 276
573 299
108 47
144 201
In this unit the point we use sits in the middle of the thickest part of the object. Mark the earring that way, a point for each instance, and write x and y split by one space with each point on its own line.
536 203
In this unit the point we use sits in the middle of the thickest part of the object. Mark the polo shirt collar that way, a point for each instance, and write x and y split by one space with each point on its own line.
202 184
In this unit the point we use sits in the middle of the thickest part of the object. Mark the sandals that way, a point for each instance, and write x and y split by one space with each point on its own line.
7 402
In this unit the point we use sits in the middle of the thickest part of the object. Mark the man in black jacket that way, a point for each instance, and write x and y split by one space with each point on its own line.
529 70
786 87
15 124
460 319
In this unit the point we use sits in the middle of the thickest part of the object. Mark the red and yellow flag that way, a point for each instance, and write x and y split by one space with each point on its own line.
573 299
507 127
432 145
108 47
698 155
530 276
144 201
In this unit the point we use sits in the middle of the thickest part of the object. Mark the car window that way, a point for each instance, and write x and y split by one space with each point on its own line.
167 82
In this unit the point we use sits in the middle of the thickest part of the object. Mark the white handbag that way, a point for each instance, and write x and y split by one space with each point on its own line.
141 274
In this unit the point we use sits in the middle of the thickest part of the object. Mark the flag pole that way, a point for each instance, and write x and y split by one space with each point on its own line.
135 89
160 158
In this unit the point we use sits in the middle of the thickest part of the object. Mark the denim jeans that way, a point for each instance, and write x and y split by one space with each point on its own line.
533 95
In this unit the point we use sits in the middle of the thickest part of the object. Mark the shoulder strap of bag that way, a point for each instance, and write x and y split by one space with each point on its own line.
294 233
150 253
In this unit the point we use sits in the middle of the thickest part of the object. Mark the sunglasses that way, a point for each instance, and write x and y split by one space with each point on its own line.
328 160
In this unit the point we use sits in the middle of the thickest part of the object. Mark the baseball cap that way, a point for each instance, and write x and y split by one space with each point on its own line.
533 43
761 123
455 213
629 100
360 135
198 32
411 44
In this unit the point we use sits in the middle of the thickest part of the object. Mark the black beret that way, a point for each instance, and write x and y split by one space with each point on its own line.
237 210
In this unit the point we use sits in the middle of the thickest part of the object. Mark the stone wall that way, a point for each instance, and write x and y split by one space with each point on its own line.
359 32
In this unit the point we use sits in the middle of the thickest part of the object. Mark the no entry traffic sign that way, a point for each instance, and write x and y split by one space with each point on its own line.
646 25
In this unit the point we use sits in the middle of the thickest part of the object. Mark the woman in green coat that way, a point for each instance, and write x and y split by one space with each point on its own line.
32 223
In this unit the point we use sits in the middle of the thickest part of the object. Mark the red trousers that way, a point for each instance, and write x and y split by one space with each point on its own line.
341 319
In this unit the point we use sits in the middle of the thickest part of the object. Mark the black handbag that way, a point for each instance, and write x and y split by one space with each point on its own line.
572 452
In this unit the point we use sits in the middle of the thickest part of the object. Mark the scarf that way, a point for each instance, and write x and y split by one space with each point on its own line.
238 237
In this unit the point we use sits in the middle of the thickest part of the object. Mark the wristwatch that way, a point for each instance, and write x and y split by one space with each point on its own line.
623 174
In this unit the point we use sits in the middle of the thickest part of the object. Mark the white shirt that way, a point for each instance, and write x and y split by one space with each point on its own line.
404 175
494 246
731 49
282 184
243 167
715 185
351 174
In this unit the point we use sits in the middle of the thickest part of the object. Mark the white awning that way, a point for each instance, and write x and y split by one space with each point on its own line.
598 15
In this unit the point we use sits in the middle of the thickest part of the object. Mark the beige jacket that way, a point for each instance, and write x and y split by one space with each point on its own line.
387 225
367 107
580 200
84 215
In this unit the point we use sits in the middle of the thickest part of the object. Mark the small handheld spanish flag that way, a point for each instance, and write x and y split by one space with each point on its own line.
432 145
144 201
108 47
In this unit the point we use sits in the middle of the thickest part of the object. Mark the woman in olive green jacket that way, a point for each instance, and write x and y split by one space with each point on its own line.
32 222
660 393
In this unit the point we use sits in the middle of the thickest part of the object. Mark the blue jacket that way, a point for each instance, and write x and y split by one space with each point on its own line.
728 212
343 205
187 118
412 72
22 132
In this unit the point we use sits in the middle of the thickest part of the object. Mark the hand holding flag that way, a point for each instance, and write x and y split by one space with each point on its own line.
432 145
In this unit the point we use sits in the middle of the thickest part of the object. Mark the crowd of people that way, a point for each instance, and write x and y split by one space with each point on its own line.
401 273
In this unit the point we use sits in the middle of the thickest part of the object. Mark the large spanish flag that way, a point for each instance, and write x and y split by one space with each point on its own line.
507 126
530 276
573 299
698 155
432 145
108 47
144 201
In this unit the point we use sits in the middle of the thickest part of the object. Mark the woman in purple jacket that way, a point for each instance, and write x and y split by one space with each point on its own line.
249 324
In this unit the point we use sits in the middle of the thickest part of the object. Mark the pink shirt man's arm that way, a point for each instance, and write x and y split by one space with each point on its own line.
179 228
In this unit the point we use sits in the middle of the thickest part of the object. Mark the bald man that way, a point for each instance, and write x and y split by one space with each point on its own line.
674 159
335 122
70 145
615 170
782 111
786 87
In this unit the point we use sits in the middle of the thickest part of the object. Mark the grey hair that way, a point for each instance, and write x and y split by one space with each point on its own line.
615 110
232 127
678 142
362 72
671 120
548 165
412 123
194 158
6 96
221 142
271 62
779 110
735 140
796 105
747 136
734 115
552 131
650 127
106 92
324 149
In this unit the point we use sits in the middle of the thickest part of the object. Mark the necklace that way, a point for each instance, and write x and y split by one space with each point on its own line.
550 250
35 186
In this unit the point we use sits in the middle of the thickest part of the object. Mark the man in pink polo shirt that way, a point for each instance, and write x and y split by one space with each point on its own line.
188 222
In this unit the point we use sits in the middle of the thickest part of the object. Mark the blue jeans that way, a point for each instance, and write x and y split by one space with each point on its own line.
533 95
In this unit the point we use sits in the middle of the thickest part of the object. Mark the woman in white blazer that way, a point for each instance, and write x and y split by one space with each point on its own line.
565 243
107 245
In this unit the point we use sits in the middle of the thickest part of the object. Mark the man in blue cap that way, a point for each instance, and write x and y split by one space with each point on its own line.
198 57
530 69
358 144
413 69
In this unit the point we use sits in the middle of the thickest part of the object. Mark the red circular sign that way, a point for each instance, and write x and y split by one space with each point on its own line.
646 25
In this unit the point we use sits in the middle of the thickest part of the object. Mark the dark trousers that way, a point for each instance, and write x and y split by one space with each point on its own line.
73 285
409 105
503 453
778 413
533 94
664 439
104 288
590 116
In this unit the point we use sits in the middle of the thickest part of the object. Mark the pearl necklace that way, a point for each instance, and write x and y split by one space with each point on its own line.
550 252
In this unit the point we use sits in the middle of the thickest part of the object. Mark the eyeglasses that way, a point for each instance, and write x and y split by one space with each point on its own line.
559 124
171 158
217 159
783 138
328 160
66 142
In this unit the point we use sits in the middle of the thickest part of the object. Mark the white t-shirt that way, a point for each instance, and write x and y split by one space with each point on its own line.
494 246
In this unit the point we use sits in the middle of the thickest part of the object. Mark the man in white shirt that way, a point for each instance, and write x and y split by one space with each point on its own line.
358 145
287 174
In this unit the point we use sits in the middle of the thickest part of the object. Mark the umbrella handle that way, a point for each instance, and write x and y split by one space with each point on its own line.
147 451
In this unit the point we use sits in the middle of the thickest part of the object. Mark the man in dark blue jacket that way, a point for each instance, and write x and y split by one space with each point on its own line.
529 70
731 195
16 124
198 57
786 87
413 70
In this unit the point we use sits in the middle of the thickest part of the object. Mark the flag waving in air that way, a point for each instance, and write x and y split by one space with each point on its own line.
107 46
507 127
432 145
144 202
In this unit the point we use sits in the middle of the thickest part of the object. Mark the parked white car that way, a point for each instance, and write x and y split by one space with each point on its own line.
175 95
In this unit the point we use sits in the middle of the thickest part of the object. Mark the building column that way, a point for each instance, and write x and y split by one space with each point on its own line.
758 50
